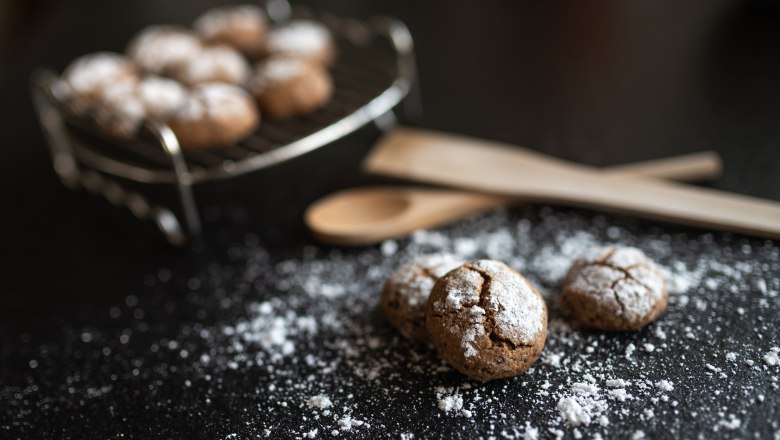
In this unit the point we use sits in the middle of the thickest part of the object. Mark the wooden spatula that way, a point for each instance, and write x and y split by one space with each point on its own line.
490 167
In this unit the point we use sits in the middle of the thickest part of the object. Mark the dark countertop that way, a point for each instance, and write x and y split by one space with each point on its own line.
599 84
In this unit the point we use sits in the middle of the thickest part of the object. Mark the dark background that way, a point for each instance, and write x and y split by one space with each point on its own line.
596 82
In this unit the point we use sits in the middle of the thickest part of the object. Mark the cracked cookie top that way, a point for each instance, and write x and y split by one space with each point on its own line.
486 320
496 301
615 288
405 295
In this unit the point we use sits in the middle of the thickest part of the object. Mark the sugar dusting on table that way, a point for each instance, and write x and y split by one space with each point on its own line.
305 328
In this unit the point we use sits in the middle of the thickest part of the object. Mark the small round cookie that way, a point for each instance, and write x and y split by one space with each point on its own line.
160 49
405 294
161 97
305 39
615 289
119 110
84 80
290 87
215 114
241 26
213 64
486 320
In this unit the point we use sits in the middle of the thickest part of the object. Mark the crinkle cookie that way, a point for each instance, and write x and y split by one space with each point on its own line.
86 79
487 320
214 115
213 64
290 87
304 39
159 50
614 288
405 294
241 26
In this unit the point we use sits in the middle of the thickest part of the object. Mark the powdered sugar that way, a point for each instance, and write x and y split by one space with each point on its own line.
269 330
771 358
222 100
276 70
301 38
214 64
158 49
90 73
161 96
239 18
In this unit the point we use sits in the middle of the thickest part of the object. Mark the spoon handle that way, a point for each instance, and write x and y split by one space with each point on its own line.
495 168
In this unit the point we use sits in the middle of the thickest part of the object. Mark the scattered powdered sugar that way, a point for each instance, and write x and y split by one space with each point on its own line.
664 385
320 401
291 344
772 358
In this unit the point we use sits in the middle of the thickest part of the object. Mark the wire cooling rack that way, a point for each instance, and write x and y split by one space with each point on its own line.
374 72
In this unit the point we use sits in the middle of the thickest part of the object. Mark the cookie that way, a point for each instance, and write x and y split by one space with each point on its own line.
213 64
615 289
119 110
486 320
161 97
159 50
290 87
215 114
405 294
243 27
305 39
85 79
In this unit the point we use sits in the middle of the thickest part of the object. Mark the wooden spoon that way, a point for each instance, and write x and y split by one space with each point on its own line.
368 215
457 161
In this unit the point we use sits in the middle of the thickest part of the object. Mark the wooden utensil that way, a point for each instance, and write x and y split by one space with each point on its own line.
368 215
494 168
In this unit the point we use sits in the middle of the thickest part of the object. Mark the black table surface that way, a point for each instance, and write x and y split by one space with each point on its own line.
600 83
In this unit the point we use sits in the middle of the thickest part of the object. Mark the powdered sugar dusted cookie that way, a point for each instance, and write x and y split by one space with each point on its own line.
119 110
304 39
215 114
289 87
487 320
405 294
86 78
160 49
213 64
161 97
614 288
241 26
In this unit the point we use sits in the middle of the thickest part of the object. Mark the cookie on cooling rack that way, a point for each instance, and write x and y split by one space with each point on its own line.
215 114
614 288
218 63
161 97
306 39
486 320
159 50
289 87
405 294
241 26
85 79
